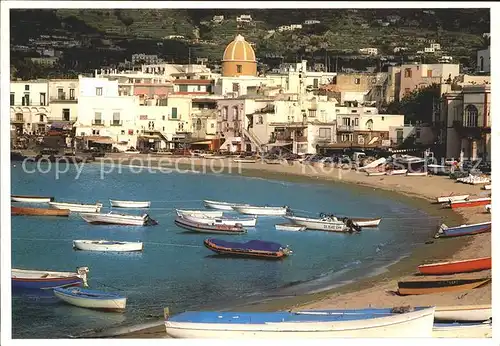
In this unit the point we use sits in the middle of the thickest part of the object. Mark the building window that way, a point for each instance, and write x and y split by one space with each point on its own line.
369 125
236 87
41 118
224 113
417 133
481 63
26 87
239 68
356 121
407 72
42 99
260 120
357 80
116 119
312 112
12 98
97 118
383 118
26 100
198 124
325 133
429 73
123 132
174 113
236 113
98 91
60 94
212 125
471 116
315 83
199 87
71 94
183 88
19 117
162 117
65 114
346 121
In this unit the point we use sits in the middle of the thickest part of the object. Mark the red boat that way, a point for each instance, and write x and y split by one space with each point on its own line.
470 203
454 267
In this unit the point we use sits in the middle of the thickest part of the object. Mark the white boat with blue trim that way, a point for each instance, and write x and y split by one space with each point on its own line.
245 222
330 224
91 299
199 213
129 204
107 245
264 210
77 207
222 205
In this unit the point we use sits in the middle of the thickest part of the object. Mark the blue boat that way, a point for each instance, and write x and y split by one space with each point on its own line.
42 279
399 322
446 232
252 248
91 299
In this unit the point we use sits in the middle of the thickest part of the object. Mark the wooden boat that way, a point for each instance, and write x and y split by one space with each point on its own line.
446 232
245 222
131 152
129 204
454 267
272 161
439 286
31 199
38 211
290 227
487 187
462 330
77 207
107 245
204 228
397 172
265 210
321 224
375 174
245 160
417 174
470 203
201 213
451 198
118 219
91 299
222 205
488 208
252 248
300 324
44 279
464 313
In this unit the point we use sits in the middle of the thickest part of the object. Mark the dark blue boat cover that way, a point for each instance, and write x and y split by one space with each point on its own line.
259 245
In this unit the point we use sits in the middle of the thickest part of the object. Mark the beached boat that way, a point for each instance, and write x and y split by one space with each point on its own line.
91 299
31 199
375 174
128 151
417 174
118 219
447 199
201 213
265 210
107 245
463 313
252 248
129 204
241 160
462 330
77 207
397 172
453 267
222 205
45 279
245 222
301 324
207 228
38 211
289 227
476 228
487 187
322 224
439 286
488 208
470 203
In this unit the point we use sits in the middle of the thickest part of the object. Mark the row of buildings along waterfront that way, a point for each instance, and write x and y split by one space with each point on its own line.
168 106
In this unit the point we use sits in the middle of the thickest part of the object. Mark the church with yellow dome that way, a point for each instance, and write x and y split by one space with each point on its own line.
239 59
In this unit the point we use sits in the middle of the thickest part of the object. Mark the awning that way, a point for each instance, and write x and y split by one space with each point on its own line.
100 139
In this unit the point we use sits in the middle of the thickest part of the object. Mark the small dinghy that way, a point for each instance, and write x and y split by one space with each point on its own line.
77 207
107 245
455 267
39 211
463 313
91 299
358 221
470 203
289 227
129 204
477 228
208 228
222 205
265 210
439 286
252 248
452 198
31 199
118 219
45 279
462 330
199 213
245 222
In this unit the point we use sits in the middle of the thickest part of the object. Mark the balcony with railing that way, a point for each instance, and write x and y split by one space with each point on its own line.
63 98
347 128
98 122
116 123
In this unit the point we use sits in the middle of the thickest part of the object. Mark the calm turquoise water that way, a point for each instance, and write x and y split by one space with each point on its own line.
175 270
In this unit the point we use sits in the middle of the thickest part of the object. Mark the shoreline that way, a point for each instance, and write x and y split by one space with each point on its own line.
368 291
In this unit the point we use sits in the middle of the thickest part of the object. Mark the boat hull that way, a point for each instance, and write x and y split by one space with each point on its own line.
447 232
107 219
290 227
438 286
129 204
470 203
203 228
366 222
36 279
39 211
221 205
104 304
447 199
79 208
462 330
398 172
411 324
454 267
248 222
329 226
244 253
264 211
31 199
417 174
200 213
107 246
466 313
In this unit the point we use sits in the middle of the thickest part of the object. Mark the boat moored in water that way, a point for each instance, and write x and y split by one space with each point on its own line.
245 222
46 279
252 248
264 210
439 286
477 228
91 299
118 219
322 224
300 324
208 228
222 205
358 221
289 227
454 267
107 245
199 213
77 207
129 204
31 199
38 211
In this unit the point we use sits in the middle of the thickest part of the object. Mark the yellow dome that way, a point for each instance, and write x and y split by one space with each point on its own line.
239 50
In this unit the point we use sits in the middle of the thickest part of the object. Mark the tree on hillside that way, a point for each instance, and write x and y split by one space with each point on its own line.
417 105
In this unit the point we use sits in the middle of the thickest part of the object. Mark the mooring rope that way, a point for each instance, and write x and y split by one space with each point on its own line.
146 243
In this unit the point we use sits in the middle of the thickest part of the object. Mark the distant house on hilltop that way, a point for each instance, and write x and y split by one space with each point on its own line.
311 22
244 18
217 19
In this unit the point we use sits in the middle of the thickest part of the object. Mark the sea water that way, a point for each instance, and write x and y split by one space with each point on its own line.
175 270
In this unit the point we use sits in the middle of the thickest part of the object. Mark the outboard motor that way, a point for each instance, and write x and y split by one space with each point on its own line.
352 226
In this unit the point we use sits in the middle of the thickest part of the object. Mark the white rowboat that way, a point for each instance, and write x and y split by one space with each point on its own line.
446 199
255 210
366 222
464 313
107 245
117 219
462 330
375 174
31 199
91 299
246 222
289 227
397 172
222 205
417 174
323 224
245 160
129 204
200 213
77 207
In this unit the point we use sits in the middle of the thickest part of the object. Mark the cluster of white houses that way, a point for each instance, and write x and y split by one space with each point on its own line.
166 106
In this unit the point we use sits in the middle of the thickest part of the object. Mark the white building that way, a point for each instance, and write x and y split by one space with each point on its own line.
436 46
290 27
244 18
483 60
63 98
429 50
217 19
142 58
29 106
311 22
369 51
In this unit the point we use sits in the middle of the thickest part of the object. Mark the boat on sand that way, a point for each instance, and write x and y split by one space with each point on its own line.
476 228
470 203
452 198
454 267
463 313
462 330
439 286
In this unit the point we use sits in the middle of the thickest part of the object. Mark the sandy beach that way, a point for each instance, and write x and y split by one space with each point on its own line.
375 291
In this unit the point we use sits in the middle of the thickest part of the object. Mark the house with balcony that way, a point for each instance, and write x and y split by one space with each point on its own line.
416 76
194 87
63 99
244 18
204 124
29 106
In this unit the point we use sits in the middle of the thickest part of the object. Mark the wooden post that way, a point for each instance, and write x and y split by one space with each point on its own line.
166 313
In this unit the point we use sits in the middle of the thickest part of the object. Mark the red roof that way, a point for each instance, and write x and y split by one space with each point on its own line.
193 81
